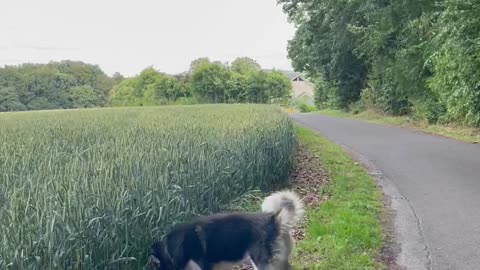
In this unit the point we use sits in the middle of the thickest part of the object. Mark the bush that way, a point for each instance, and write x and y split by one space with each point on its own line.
303 106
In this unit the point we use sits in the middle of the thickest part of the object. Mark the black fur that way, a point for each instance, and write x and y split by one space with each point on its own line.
219 238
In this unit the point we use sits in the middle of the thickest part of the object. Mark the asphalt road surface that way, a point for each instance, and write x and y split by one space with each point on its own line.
434 183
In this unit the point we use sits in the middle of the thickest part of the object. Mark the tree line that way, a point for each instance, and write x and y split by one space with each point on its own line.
72 84
56 85
416 57
243 81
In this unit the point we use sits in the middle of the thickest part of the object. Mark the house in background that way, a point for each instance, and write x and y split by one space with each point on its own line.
301 87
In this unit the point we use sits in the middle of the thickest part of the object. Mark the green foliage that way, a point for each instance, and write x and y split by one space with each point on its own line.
57 85
456 62
117 78
91 189
302 105
325 95
278 85
198 62
209 81
323 45
123 94
206 82
68 84
10 100
83 97
245 65
150 87
236 88
257 88
394 39
401 57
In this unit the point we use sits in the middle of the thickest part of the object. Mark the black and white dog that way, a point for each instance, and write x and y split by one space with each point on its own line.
225 240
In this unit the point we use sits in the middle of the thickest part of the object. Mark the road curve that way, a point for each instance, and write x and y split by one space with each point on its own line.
434 182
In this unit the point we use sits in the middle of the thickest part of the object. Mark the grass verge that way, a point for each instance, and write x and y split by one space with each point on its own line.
345 232
466 134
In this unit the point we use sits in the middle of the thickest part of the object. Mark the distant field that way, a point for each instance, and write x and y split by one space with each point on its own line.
93 188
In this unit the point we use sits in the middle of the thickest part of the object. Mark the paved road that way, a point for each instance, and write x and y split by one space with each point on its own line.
438 178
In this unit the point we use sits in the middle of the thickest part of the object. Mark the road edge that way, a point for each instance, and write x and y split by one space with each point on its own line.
411 250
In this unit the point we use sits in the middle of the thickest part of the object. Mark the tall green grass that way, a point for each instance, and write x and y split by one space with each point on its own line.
93 188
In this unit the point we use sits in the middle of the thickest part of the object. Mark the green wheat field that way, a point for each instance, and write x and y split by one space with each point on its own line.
91 189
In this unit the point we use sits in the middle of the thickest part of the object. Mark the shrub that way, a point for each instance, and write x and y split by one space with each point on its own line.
303 106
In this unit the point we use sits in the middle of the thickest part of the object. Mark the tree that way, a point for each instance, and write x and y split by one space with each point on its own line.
72 84
324 46
245 65
378 53
257 89
236 88
145 80
9 100
198 62
83 97
455 62
123 94
48 86
209 81
150 87
86 74
163 89
117 78
278 85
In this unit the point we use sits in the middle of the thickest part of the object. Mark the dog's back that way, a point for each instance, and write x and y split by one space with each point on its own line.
218 238
212 240
228 237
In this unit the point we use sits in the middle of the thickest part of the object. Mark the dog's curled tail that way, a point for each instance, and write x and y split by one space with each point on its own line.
286 205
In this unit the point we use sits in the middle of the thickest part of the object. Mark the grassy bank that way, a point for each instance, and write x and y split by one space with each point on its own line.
345 231
466 134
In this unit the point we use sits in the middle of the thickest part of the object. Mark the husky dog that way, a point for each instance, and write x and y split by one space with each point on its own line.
212 242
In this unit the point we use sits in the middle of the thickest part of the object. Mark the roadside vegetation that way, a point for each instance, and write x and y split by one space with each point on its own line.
345 231
301 105
402 58
91 189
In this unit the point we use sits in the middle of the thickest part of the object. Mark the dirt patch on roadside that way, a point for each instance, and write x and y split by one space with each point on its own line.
306 179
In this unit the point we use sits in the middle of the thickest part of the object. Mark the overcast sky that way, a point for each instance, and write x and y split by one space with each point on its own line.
129 35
